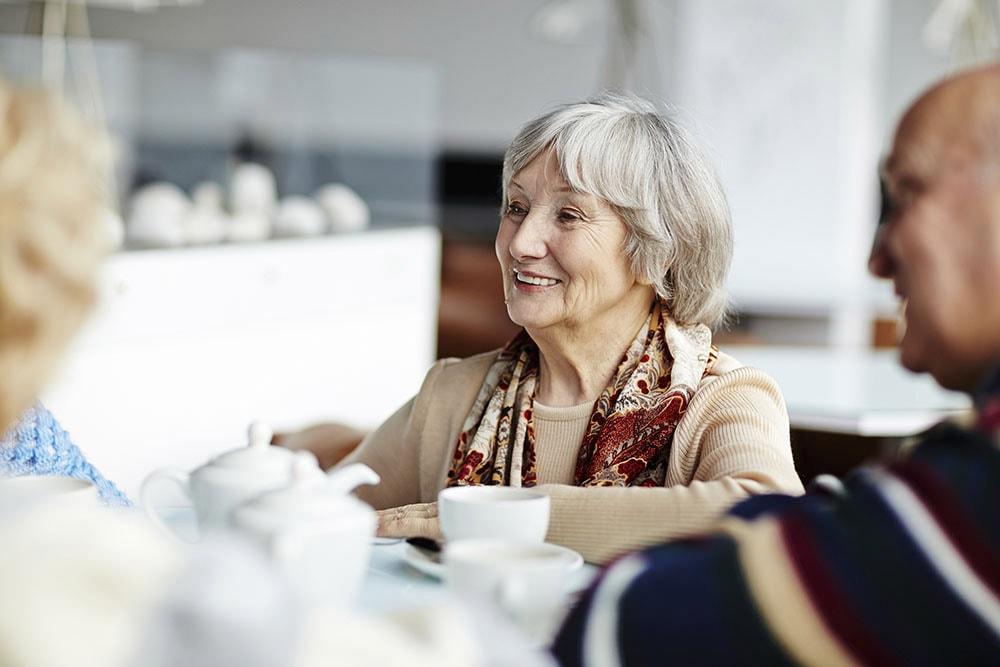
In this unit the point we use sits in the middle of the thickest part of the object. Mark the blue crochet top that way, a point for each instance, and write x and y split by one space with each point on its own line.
38 445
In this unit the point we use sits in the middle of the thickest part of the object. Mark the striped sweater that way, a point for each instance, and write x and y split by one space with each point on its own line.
900 566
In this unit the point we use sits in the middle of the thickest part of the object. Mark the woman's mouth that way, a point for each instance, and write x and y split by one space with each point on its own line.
532 282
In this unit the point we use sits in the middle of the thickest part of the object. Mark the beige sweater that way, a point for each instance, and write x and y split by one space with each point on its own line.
731 443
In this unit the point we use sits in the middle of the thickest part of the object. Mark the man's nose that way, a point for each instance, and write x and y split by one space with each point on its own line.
879 261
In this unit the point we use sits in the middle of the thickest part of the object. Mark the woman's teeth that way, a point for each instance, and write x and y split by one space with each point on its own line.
532 280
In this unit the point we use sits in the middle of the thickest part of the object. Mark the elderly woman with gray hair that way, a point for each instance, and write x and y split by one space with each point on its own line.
614 244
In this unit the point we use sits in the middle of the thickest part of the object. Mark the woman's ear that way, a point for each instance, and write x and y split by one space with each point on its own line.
643 279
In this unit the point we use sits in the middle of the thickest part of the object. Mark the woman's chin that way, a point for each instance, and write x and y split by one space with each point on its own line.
529 320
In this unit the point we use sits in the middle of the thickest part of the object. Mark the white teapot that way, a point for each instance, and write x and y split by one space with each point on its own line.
317 534
225 482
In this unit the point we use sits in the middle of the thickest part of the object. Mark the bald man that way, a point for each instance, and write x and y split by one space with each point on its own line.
901 566
939 236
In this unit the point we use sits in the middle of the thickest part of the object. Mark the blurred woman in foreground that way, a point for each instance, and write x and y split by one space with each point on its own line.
52 238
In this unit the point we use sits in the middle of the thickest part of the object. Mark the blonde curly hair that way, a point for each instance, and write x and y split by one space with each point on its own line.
52 203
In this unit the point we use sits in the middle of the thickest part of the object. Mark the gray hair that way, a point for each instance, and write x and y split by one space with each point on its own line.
621 149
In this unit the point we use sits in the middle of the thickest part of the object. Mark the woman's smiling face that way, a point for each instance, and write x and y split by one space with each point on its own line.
561 255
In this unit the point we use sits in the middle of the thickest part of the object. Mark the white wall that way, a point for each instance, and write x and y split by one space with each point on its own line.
787 94
911 65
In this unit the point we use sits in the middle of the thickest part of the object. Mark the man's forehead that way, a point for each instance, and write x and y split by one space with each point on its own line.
926 133
942 124
908 157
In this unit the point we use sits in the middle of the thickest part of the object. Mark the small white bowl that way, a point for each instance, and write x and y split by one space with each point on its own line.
493 512
22 493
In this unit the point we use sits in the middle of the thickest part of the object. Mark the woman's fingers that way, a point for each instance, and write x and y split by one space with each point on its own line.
417 520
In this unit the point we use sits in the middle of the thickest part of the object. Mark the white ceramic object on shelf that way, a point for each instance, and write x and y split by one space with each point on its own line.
345 209
253 197
252 190
299 216
156 216
207 221
316 533
248 228
225 482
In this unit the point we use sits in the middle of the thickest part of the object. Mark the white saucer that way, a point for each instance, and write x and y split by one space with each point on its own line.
423 563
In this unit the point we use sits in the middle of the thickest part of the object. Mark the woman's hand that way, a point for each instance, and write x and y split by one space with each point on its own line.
331 443
417 520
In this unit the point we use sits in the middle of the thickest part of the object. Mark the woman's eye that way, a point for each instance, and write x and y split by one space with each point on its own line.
568 216
516 210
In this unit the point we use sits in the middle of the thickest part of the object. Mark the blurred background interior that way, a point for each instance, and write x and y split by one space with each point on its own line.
308 192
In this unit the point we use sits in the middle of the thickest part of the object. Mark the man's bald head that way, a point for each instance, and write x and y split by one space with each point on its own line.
960 115
941 241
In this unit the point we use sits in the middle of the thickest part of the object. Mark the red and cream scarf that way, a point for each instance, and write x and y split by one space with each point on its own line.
628 439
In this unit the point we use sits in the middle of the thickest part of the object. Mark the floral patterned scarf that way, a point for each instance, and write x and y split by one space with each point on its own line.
632 425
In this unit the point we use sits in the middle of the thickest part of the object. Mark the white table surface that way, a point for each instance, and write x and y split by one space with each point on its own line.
391 584
856 392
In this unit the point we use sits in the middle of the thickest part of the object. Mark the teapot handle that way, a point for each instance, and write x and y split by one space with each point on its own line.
174 476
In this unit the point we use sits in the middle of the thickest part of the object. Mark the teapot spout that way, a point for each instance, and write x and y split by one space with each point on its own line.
346 479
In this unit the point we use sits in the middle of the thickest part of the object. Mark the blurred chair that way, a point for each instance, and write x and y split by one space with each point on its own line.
472 317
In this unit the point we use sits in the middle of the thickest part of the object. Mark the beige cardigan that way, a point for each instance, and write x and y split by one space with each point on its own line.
731 443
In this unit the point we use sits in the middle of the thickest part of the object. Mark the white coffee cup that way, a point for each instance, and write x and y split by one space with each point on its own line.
493 512
527 582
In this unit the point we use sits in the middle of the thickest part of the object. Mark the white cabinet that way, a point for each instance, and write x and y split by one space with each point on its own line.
188 346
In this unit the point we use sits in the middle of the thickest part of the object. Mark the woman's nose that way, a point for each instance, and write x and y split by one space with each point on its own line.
529 240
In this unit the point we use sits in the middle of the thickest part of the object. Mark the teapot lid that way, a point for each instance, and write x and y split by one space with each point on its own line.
258 455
